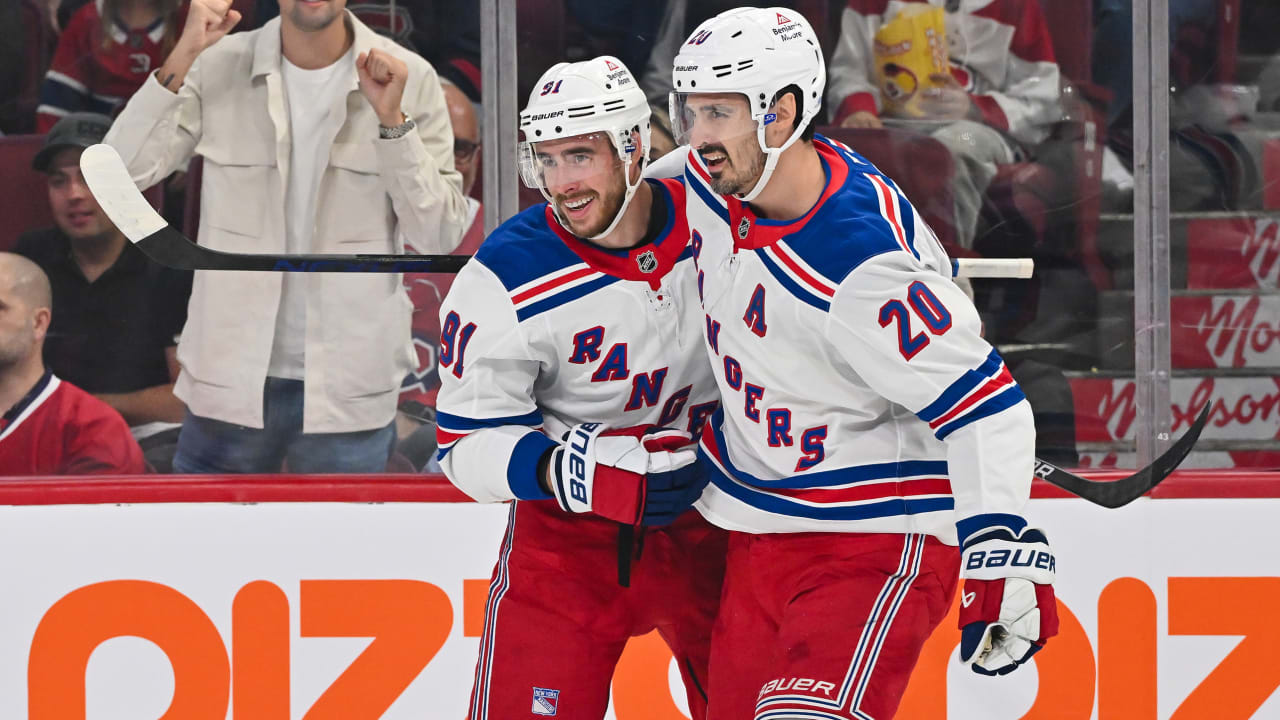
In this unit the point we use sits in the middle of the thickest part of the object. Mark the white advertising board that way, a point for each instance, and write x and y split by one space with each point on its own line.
266 612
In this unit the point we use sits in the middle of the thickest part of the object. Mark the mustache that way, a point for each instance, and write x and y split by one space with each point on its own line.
561 199
706 149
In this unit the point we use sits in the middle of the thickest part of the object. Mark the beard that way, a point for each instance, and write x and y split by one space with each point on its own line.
738 183
16 348
309 23
610 204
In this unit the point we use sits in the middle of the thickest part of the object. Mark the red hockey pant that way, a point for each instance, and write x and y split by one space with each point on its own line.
557 620
825 626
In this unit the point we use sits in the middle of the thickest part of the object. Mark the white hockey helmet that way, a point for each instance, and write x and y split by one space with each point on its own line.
755 52
591 97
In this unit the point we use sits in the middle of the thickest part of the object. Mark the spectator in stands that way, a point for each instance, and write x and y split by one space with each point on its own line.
1113 70
106 51
47 425
998 101
1113 47
119 313
416 420
297 367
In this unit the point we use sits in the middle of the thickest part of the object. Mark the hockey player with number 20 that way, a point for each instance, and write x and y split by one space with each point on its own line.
866 429
573 381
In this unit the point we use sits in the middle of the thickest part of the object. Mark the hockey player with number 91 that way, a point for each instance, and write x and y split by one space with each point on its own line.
866 429
573 381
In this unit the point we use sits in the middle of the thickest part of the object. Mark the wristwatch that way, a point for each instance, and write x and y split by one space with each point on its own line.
391 133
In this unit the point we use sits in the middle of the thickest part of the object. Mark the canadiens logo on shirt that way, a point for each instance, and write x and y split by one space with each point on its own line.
139 63
545 701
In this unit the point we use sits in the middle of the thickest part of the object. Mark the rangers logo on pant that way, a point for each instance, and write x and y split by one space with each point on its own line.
545 701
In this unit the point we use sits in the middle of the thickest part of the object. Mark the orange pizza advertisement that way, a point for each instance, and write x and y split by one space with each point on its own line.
330 610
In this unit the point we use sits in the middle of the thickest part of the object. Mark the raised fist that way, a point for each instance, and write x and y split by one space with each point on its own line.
208 21
382 80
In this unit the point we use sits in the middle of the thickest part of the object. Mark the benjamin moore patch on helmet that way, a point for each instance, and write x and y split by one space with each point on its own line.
770 118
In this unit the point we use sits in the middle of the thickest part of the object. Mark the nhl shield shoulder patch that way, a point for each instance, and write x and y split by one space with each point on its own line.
545 701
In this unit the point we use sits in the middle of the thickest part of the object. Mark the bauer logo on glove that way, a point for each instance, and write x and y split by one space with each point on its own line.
635 476
1007 606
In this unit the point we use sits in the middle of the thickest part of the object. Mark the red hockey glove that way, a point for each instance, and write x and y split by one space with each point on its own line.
609 472
1007 608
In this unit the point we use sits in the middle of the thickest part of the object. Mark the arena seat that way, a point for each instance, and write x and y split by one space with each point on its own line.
28 208
25 206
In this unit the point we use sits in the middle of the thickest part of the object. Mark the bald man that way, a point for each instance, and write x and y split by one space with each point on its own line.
466 135
415 421
49 427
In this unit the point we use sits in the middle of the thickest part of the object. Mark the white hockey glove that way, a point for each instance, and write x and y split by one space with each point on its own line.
1007 607
610 472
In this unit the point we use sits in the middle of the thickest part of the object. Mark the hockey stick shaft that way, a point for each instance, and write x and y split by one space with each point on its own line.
1116 493
109 181
116 193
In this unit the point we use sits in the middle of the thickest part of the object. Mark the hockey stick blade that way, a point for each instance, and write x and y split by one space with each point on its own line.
109 181
1115 493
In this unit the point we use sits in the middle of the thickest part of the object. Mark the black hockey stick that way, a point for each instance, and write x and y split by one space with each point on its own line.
109 181
1114 493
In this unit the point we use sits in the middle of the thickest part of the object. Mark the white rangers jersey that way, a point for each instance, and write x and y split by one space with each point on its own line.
542 331
857 394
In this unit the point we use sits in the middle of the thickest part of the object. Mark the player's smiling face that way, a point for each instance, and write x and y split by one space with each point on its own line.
720 128
583 176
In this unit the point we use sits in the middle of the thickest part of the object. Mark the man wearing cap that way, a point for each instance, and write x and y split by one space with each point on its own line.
119 313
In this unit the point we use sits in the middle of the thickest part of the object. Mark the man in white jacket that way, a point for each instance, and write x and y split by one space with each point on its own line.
317 136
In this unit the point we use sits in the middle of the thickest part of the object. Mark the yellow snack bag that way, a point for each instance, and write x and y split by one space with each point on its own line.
908 49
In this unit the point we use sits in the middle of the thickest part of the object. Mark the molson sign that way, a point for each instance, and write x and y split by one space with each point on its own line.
1225 331
328 611
1233 253
1241 408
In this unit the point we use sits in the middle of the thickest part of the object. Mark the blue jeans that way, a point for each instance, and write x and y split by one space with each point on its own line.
213 446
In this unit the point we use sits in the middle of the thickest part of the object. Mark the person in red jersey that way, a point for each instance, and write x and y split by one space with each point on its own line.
48 426
105 53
